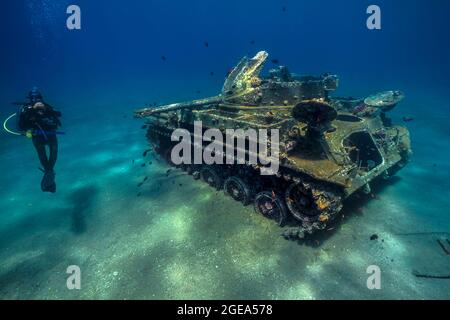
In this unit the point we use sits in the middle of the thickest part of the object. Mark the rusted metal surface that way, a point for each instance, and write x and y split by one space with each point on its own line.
330 146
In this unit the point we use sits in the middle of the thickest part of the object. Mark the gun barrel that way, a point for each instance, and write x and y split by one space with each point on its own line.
142 113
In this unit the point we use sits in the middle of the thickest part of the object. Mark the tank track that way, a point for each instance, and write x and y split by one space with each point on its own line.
303 206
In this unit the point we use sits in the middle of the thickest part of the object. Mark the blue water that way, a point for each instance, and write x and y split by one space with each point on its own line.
179 239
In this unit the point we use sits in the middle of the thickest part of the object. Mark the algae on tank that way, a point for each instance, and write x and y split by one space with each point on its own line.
330 147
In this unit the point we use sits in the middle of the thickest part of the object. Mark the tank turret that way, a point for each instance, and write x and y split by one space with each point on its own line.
245 86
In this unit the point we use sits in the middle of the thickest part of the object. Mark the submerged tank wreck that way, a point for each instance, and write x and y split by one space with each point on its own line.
329 147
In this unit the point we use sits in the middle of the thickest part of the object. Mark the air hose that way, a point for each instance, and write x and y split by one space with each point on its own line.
8 130
28 134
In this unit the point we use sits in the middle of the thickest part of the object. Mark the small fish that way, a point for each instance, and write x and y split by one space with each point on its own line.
139 194
132 161
150 163
275 61
284 9
143 165
145 179
180 184
146 152
144 126
408 119
163 58
373 237
252 42
140 184
206 44
154 103
168 171
211 73
197 92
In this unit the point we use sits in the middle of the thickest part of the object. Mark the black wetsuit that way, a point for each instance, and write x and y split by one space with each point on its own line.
43 123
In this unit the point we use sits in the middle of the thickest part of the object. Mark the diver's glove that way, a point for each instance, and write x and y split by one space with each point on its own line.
29 134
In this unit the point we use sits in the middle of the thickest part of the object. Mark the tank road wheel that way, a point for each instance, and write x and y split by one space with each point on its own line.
211 177
238 190
271 207
311 203
300 202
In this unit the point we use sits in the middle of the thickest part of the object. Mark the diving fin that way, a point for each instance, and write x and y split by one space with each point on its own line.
48 182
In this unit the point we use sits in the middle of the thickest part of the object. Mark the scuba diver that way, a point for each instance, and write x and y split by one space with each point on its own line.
40 121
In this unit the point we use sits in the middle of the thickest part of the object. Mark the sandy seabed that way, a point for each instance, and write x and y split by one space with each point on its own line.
176 238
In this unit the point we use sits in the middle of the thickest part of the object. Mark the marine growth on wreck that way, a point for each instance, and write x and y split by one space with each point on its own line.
331 147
